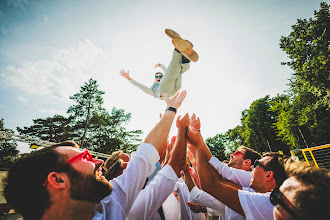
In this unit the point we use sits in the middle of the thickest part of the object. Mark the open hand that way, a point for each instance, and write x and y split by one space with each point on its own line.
125 74
183 122
176 100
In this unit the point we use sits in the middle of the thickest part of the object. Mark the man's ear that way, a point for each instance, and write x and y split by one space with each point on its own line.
269 175
57 180
247 162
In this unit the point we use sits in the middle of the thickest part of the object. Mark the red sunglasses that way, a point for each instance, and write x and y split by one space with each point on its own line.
237 152
85 155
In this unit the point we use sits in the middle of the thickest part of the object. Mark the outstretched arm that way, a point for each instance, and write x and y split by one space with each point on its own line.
178 157
208 175
159 133
161 66
144 88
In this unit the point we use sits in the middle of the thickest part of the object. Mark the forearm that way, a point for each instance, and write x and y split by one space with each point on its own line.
189 182
159 133
204 174
219 190
178 157
141 86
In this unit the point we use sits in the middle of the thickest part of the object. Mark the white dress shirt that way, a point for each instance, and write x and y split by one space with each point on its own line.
153 195
128 185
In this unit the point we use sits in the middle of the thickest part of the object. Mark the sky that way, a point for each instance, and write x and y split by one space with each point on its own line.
49 49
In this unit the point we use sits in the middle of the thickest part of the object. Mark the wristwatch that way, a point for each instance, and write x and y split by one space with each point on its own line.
204 209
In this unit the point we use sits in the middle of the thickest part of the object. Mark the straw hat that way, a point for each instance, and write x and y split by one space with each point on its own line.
184 46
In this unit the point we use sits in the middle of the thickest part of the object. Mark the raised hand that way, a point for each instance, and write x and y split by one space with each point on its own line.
157 65
125 74
183 122
195 122
176 100
195 207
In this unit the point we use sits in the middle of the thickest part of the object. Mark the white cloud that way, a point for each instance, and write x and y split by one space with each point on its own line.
25 101
17 3
45 17
57 76
3 30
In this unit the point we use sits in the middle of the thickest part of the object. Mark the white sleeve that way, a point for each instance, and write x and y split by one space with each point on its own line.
212 212
142 87
154 194
204 199
256 205
184 194
163 68
128 185
240 177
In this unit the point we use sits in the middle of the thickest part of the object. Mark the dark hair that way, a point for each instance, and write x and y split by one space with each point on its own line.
276 164
313 197
112 165
250 154
159 73
24 188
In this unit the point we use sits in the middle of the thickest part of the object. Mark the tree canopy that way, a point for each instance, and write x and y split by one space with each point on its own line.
88 124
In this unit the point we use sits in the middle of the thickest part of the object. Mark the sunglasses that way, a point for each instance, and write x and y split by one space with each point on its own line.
257 163
158 76
85 155
277 198
237 152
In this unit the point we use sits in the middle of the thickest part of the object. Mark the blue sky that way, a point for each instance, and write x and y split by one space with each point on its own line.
48 49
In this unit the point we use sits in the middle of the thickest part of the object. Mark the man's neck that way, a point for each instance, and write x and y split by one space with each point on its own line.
67 210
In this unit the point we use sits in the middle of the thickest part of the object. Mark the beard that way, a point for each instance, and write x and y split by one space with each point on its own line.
88 187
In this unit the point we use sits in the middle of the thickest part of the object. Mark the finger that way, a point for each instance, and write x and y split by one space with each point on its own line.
178 119
165 96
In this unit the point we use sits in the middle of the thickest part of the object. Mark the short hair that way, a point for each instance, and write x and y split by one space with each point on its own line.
312 200
276 164
24 188
112 165
158 73
112 159
250 154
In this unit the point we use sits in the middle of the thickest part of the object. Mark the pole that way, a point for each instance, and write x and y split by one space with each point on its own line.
302 136
269 146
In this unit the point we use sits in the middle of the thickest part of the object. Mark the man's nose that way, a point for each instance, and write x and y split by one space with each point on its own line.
98 161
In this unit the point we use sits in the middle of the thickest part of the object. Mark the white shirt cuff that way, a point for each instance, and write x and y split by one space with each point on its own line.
194 193
148 152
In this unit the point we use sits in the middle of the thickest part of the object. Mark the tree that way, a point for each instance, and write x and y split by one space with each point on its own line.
308 48
88 103
218 146
54 129
89 124
8 149
257 128
308 106
108 132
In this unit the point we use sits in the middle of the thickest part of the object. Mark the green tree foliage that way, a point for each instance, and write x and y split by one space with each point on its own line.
88 104
217 146
8 149
308 104
89 124
257 129
54 129
308 47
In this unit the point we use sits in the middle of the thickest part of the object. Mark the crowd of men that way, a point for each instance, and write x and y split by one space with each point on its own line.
166 179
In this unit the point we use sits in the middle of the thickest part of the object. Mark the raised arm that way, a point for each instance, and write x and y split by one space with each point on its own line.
159 133
144 88
207 174
161 66
177 160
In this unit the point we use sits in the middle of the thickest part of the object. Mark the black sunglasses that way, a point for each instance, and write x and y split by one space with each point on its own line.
276 197
257 163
